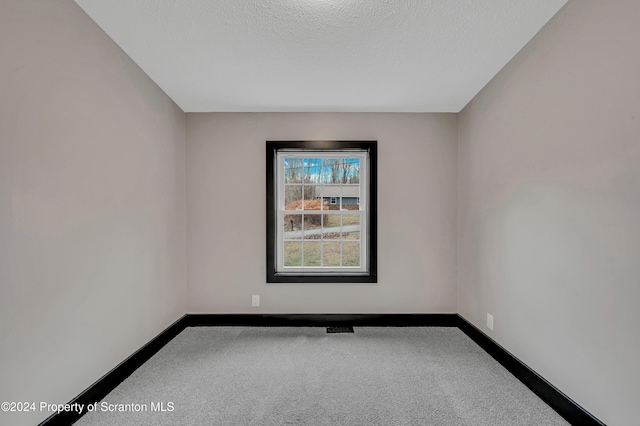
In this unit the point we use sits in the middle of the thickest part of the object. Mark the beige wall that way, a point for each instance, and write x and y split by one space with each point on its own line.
92 208
416 215
549 206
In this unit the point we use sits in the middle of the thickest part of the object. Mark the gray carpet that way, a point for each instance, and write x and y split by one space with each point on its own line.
304 376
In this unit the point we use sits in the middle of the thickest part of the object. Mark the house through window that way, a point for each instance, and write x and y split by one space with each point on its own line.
321 216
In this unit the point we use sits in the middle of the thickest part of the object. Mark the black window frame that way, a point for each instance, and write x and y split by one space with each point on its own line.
371 275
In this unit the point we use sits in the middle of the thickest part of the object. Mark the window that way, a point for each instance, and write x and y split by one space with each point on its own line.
321 211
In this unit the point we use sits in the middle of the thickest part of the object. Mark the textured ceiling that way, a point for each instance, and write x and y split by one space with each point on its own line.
321 55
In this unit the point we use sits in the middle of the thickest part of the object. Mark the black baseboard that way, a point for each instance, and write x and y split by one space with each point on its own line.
324 320
113 378
561 403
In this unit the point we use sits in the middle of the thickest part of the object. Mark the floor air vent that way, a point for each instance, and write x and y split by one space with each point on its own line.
339 329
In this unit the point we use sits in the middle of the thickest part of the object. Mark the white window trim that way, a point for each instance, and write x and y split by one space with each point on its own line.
280 185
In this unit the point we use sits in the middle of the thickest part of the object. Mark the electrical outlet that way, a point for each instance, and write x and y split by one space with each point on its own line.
255 300
490 321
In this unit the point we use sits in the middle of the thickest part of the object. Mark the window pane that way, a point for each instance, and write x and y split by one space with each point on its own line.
350 170
331 253
330 194
330 171
330 232
332 221
351 235
311 201
350 224
351 254
312 225
350 219
311 253
312 169
350 197
292 227
293 171
292 253
293 197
